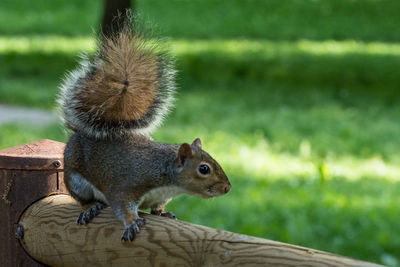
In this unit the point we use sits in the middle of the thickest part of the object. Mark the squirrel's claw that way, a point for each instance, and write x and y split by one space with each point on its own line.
131 230
140 221
82 219
168 215
86 216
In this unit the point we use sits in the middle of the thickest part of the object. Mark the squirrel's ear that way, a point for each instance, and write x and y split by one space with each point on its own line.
184 152
197 143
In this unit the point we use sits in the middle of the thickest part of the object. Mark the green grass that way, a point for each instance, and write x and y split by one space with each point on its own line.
13 134
298 100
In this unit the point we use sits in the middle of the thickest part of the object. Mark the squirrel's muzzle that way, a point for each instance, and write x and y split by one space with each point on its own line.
227 187
224 188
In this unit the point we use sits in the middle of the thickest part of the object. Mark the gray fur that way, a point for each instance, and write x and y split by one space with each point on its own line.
80 186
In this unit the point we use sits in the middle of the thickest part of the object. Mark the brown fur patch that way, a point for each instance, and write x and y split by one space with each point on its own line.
129 217
124 86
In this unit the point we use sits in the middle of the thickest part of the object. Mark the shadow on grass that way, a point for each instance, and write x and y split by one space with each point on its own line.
342 76
367 20
276 20
344 72
32 79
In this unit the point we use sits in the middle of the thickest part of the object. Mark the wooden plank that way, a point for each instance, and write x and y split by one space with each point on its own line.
53 237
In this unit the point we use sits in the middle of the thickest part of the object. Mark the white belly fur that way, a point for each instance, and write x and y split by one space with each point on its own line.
160 195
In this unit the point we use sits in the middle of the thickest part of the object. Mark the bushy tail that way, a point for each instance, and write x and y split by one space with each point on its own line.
127 87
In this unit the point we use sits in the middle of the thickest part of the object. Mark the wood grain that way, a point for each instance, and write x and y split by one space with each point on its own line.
52 236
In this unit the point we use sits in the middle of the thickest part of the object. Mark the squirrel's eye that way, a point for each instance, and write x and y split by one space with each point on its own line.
204 169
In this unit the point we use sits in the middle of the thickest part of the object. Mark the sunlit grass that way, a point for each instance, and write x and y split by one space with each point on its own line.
46 44
263 47
63 44
258 159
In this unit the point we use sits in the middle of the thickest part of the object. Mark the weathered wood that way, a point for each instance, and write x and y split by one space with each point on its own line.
27 173
40 155
52 236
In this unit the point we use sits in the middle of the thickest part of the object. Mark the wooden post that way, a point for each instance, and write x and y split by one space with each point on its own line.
27 173
53 237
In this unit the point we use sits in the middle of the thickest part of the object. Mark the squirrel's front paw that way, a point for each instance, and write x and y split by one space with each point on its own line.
131 230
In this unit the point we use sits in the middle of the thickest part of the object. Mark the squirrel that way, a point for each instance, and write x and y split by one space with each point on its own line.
112 103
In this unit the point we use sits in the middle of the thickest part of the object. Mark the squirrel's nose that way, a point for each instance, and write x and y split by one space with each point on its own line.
227 187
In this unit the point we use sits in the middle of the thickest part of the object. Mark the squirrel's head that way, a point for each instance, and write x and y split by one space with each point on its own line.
199 173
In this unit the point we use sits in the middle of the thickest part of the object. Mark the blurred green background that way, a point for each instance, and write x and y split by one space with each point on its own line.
297 99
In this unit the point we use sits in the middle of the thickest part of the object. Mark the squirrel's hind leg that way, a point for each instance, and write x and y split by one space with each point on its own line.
86 194
128 214
79 188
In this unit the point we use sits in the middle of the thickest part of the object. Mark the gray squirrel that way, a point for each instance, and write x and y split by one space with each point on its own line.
112 102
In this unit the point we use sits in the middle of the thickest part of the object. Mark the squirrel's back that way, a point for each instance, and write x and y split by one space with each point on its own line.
127 87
